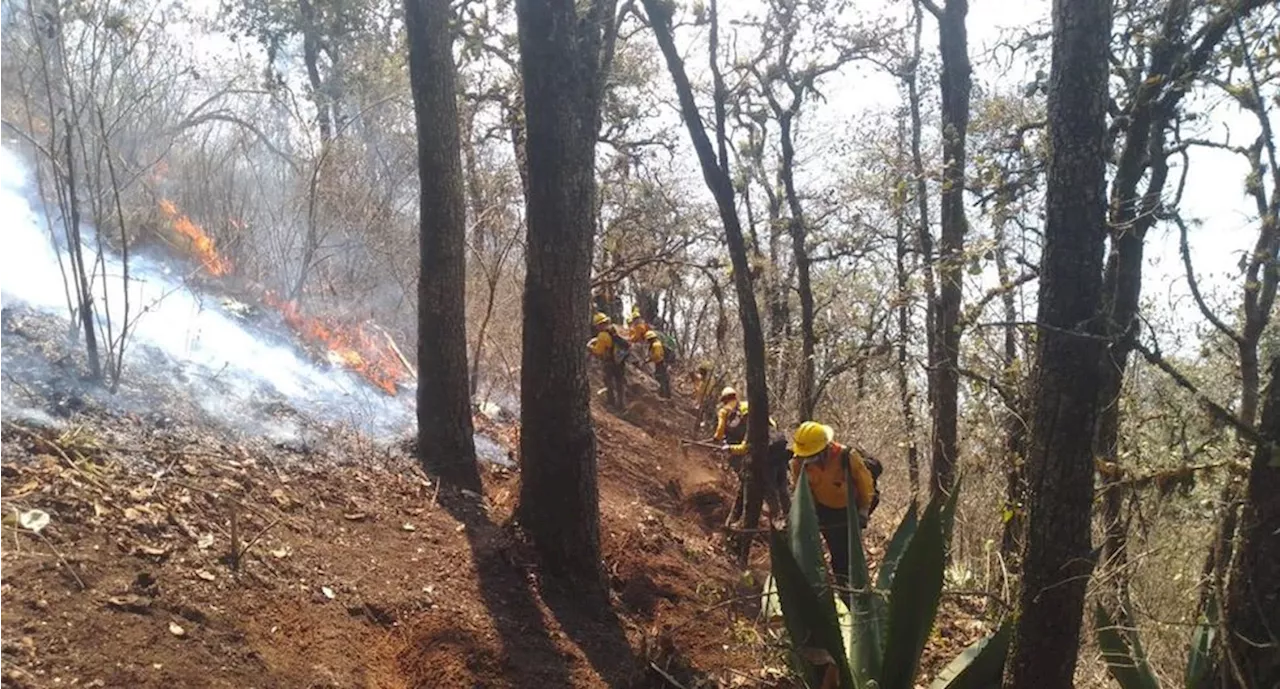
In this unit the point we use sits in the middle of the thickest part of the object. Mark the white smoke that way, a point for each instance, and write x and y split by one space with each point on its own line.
229 366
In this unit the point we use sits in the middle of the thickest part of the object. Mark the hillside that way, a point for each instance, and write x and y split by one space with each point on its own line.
356 568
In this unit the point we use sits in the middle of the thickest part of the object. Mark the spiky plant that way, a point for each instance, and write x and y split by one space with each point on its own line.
891 618
1127 662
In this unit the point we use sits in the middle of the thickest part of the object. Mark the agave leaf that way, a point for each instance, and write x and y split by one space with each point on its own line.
804 538
897 546
770 607
866 646
889 565
979 666
913 600
1128 671
1200 659
809 613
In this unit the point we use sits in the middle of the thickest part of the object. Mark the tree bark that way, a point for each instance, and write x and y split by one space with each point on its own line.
799 246
1013 420
1252 611
1065 386
559 502
721 186
446 441
956 86
311 59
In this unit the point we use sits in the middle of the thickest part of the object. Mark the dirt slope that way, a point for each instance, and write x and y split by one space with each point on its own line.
355 569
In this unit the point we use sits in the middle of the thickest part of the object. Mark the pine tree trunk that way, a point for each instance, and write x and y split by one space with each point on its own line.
1065 384
446 442
559 503
956 84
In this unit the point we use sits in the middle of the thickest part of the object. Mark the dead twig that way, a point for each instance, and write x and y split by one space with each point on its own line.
250 543
666 676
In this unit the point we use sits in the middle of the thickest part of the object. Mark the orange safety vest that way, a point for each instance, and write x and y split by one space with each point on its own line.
825 471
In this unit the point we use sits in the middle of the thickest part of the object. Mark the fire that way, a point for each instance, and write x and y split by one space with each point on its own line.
353 348
201 244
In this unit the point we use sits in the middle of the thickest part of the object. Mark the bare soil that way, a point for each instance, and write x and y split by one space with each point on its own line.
178 556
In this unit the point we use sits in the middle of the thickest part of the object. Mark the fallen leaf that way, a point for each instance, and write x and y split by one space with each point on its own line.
131 603
281 499
132 515
206 575
409 527
205 542
355 516
328 592
34 520
280 553
176 630
25 488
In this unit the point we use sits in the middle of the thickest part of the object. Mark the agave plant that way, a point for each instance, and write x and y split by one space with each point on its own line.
1127 663
891 619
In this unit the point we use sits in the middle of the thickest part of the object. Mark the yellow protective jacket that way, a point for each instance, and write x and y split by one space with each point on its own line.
722 420
657 352
826 477
602 345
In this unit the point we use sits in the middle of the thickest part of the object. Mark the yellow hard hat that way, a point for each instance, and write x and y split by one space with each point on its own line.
811 438
651 335
728 393
599 319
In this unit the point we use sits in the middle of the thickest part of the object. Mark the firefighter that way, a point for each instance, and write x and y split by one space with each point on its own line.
775 472
730 426
827 465
658 357
704 401
637 327
612 349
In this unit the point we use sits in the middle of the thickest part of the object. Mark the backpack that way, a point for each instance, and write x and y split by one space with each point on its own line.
668 346
875 468
735 426
621 345
779 450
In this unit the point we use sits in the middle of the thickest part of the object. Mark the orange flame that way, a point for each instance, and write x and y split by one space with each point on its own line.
352 348
201 245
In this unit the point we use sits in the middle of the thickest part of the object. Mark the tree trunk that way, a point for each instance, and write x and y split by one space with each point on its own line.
559 503
905 396
311 59
721 186
446 442
924 232
1015 425
1252 611
808 339
75 247
956 83
1065 385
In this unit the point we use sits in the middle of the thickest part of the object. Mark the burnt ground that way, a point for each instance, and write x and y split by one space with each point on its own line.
179 554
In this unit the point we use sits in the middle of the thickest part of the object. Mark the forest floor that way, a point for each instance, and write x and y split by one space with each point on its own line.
179 556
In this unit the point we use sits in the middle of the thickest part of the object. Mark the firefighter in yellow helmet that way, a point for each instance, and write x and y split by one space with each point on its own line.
612 349
658 357
637 327
828 465
731 425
